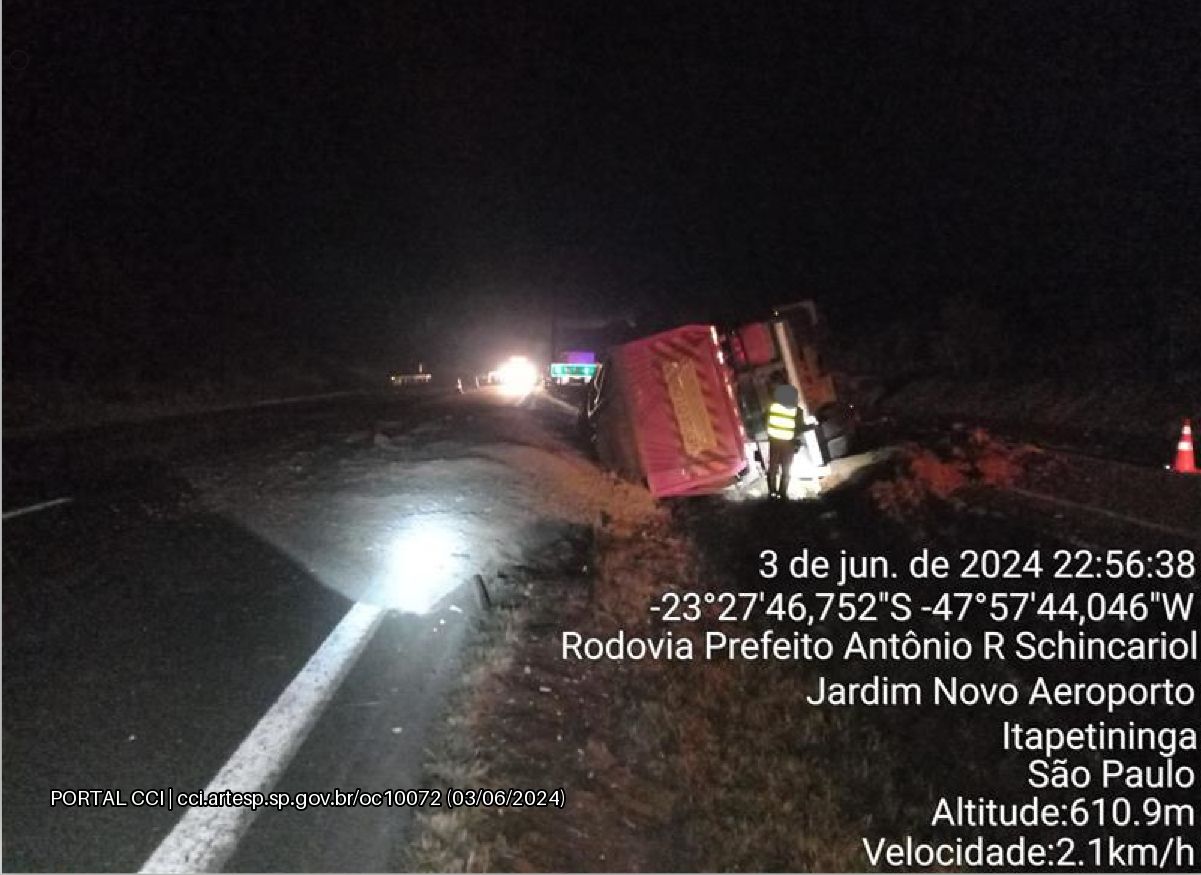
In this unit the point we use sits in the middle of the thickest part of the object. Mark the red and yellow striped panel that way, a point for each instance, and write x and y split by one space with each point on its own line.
689 435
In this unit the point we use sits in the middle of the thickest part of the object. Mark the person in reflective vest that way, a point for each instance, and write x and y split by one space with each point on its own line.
781 434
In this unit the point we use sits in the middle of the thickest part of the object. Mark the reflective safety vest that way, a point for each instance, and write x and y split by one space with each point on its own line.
781 421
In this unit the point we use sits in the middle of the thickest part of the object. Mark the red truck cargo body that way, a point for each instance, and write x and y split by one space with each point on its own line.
686 428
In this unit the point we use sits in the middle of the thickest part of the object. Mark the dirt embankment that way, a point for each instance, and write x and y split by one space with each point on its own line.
960 464
1134 421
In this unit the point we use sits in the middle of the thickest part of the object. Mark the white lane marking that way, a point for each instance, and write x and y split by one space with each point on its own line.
294 399
1100 511
560 403
34 508
205 838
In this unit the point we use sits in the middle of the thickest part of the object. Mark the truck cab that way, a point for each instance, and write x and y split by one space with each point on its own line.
786 347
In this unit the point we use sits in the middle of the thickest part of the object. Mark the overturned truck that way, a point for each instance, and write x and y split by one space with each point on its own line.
684 411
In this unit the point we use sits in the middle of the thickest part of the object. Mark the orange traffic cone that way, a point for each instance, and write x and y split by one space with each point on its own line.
1185 464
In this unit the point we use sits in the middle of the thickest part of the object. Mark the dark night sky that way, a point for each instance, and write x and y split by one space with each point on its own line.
374 177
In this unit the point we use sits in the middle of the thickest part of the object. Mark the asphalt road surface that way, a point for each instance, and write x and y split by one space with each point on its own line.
203 581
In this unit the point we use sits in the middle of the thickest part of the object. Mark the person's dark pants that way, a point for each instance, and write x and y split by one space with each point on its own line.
779 465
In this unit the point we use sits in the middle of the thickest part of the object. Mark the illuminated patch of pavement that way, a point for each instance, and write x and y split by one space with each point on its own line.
144 641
